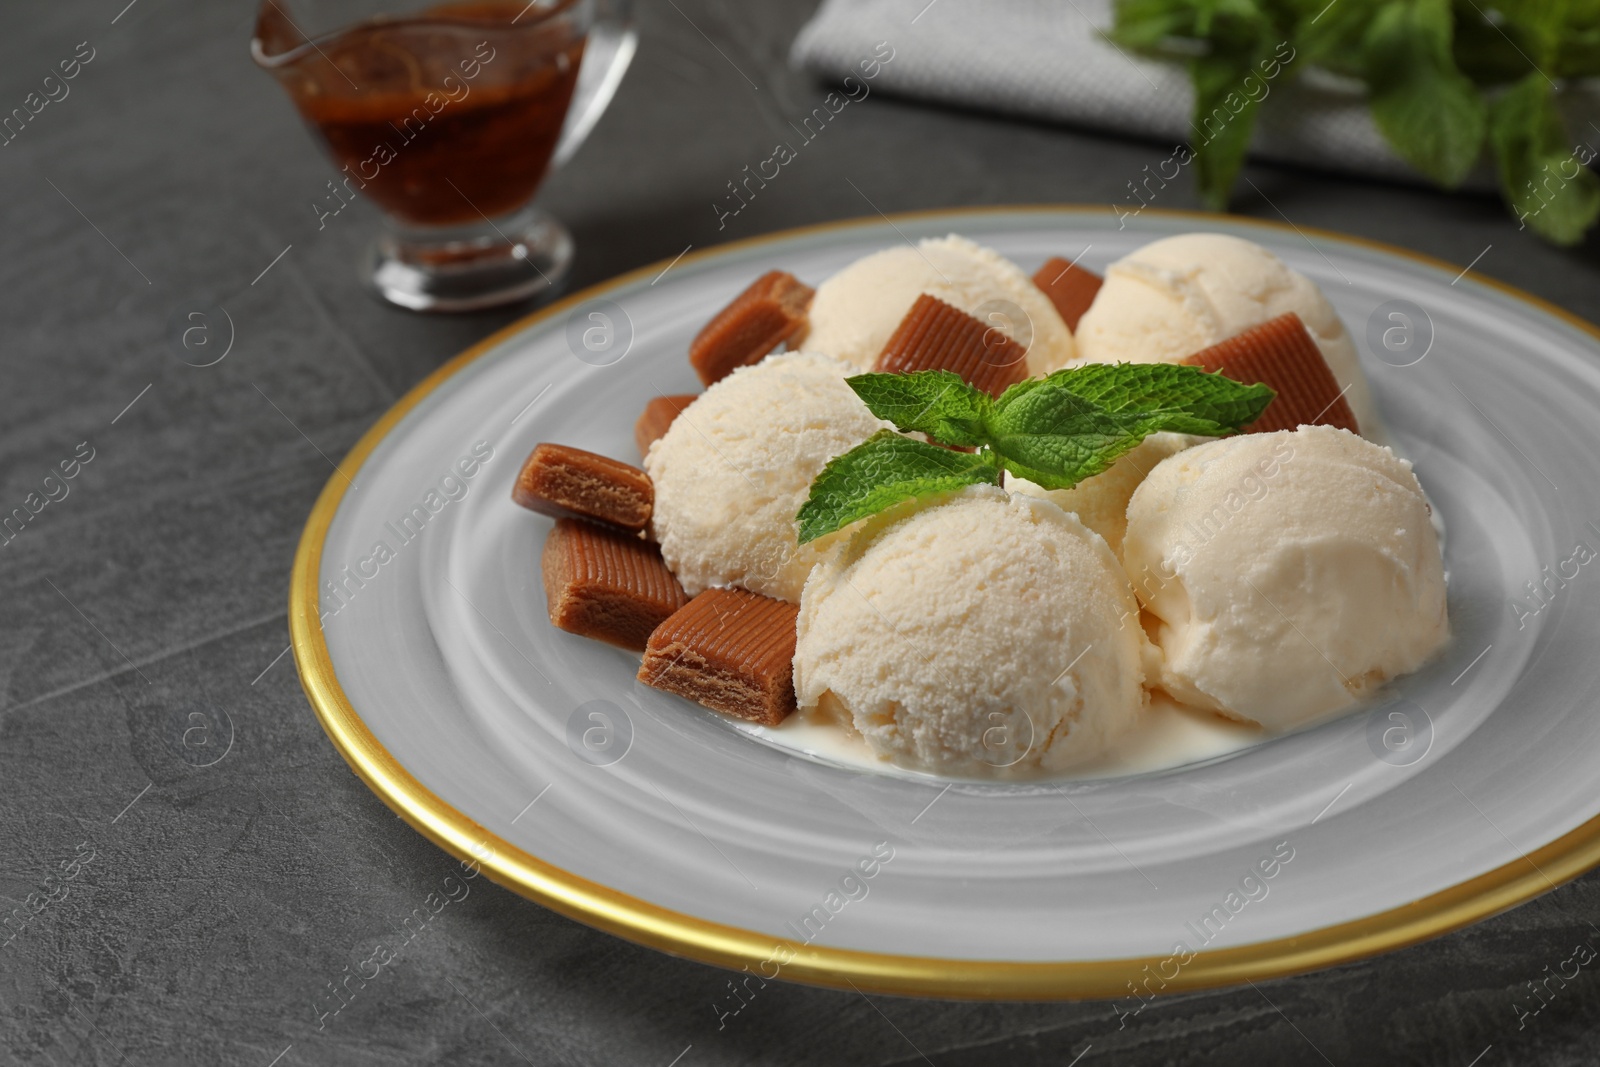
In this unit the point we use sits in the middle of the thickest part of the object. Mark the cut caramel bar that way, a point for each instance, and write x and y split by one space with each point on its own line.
936 336
770 312
656 417
565 482
607 584
730 650
1281 353
1070 288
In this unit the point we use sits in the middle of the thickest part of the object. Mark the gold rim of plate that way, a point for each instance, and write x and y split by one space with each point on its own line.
685 935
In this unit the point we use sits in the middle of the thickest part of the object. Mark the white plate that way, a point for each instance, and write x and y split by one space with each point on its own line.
1474 786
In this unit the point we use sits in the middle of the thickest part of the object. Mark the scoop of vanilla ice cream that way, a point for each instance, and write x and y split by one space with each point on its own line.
1178 295
985 634
736 465
1101 502
855 311
1291 573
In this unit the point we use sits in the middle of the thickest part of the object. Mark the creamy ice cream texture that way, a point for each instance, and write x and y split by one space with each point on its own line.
856 310
1290 573
981 633
1177 295
1101 502
736 465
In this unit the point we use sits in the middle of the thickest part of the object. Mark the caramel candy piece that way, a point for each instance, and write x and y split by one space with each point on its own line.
936 336
564 482
732 651
656 417
1281 353
770 312
1070 288
607 584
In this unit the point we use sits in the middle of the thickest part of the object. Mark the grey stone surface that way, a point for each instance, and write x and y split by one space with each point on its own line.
223 898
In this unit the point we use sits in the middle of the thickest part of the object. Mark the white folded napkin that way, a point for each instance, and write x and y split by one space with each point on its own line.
1047 59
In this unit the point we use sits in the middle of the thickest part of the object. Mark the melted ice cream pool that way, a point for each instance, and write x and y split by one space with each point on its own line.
1168 734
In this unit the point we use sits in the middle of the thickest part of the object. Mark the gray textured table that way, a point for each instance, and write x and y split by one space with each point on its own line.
215 902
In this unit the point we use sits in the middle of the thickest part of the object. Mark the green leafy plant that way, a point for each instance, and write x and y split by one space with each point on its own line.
1054 431
1445 80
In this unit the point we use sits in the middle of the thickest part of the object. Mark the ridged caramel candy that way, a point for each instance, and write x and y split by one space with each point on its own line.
769 313
564 482
1070 288
935 335
1281 353
728 649
603 583
657 417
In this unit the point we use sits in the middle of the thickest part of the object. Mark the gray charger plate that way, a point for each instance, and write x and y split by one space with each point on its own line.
1475 784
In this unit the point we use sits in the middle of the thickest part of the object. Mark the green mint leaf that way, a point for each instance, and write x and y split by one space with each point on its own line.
1074 424
1560 38
1550 189
938 403
1430 113
1578 41
884 470
1329 35
1231 78
1491 51
1235 50
1580 55
1151 25
1227 94
1537 27
1203 403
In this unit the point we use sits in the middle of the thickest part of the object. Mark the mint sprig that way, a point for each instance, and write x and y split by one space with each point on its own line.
1054 431
1445 79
